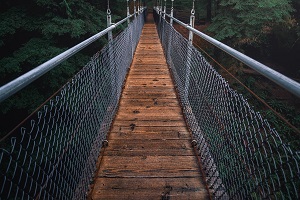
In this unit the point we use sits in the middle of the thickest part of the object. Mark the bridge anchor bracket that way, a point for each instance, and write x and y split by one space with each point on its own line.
105 143
194 143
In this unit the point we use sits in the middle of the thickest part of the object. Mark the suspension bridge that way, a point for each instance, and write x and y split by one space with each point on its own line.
147 118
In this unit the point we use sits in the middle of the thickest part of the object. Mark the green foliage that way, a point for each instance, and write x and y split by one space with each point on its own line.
34 31
58 26
47 32
267 30
28 55
11 20
244 22
30 96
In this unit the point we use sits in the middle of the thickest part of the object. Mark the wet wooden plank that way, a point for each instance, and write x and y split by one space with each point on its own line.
160 188
181 184
149 166
149 153
166 134
148 81
150 147
152 117
149 129
145 57
149 66
150 88
150 61
158 123
148 95
151 111
145 103
156 76
147 70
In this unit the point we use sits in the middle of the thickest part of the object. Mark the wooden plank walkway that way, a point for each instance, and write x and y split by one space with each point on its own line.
149 155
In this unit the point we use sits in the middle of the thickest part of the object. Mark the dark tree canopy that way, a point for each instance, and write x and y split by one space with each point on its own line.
249 21
33 31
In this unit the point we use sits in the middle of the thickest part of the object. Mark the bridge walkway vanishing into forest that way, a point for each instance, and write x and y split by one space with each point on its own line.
149 153
157 145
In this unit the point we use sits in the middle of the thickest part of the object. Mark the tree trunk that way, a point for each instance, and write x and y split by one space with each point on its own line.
208 10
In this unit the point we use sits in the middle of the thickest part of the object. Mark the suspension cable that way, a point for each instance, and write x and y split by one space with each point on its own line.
193 9
165 9
192 23
128 11
108 9
134 7
172 12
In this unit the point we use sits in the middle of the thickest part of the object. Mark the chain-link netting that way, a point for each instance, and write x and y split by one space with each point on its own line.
243 157
55 156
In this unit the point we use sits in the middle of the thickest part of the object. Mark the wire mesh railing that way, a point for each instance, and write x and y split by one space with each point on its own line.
55 156
242 155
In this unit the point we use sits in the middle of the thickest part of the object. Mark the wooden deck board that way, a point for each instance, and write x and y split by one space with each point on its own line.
152 147
149 166
146 135
149 155
146 103
149 188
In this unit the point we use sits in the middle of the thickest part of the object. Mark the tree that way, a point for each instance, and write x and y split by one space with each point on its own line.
32 32
209 11
247 22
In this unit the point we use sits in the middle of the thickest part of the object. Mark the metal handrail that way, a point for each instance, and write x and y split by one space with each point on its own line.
39 158
278 78
22 81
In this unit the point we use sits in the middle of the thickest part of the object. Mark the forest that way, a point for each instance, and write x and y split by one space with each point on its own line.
34 31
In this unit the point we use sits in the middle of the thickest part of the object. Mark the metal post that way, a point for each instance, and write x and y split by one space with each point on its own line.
140 7
128 12
189 54
192 23
170 33
172 11
22 81
158 4
278 78
160 12
165 9
134 8
109 23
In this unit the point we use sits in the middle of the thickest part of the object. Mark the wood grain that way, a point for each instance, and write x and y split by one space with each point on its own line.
149 188
149 153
